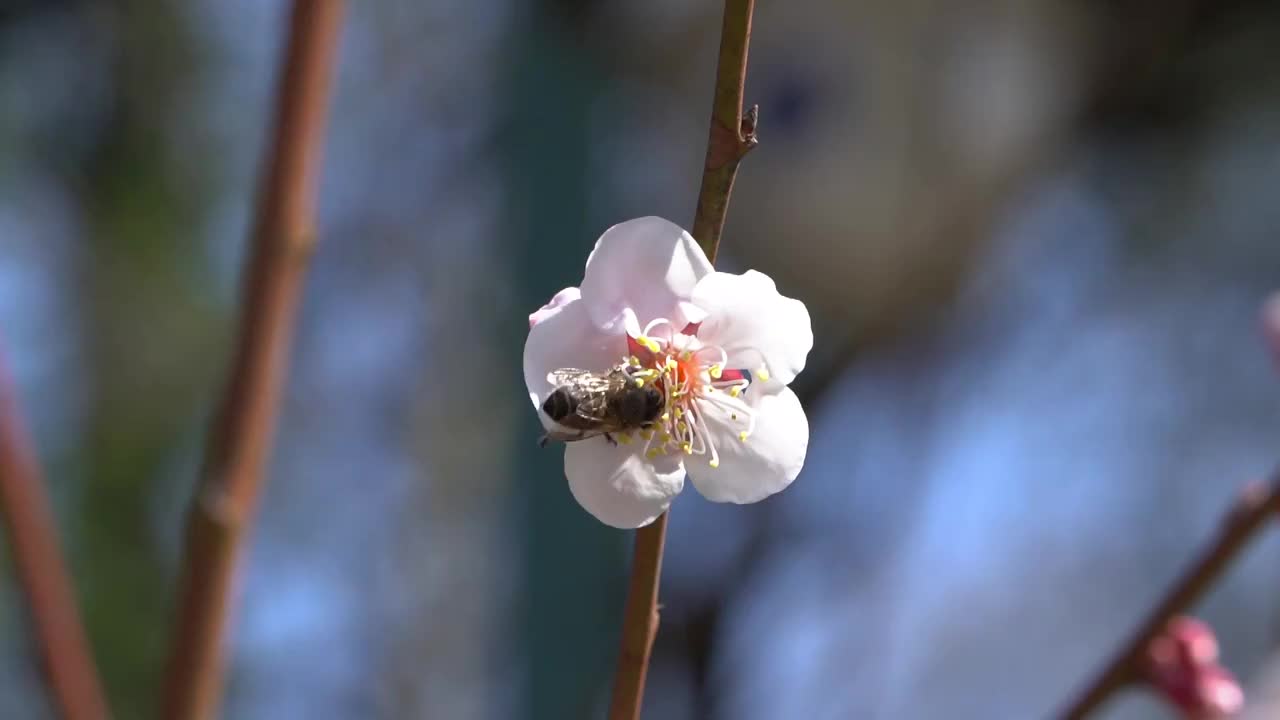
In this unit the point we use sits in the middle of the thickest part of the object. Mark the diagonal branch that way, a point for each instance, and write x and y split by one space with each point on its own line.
732 137
240 437
33 539
1256 507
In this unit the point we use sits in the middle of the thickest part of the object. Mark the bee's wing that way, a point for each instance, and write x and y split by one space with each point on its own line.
568 376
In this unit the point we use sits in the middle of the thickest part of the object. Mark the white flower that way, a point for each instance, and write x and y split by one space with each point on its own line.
722 348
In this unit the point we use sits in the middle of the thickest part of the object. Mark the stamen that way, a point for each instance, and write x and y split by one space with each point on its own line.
742 436
714 463
624 438
763 373
639 382
714 371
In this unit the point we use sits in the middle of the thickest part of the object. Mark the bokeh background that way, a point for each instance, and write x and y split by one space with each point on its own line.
1033 235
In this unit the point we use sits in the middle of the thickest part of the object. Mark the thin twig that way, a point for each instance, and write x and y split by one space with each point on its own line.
33 539
281 241
733 134
1256 507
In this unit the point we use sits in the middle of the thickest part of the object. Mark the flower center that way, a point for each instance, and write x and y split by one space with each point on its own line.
699 391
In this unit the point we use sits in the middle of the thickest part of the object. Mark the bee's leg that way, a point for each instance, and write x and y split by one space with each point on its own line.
609 439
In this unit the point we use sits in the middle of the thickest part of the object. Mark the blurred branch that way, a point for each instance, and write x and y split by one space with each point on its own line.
1257 506
240 437
732 136
32 535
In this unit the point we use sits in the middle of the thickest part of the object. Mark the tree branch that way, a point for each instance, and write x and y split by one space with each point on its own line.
732 136
33 539
1256 507
240 437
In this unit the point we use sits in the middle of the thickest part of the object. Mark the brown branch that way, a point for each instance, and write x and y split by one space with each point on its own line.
240 437
733 134
1255 508
33 539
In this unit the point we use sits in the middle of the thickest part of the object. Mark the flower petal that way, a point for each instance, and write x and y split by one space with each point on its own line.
564 337
765 463
753 323
619 486
564 297
649 265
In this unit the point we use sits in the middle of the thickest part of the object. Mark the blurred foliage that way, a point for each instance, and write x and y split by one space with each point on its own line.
153 334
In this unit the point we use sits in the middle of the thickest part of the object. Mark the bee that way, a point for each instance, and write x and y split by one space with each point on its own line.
588 404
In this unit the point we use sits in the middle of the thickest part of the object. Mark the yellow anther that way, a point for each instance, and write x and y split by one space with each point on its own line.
671 363
639 382
646 434
687 448
679 413
664 437
666 417
652 453
735 391
686 355
634 360
763 373
715 371
715 463
624 438
682 426
648 343
661 450
742 436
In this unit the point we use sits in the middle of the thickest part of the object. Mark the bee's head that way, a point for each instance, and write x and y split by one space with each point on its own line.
559 404
640 405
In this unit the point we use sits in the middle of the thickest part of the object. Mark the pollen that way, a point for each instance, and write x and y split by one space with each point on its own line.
664 437
735 391
687 448
639 382
715 371
652 453
763 374
742 436
666 417
714 463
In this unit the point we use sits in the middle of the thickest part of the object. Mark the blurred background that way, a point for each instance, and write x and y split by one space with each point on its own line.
1034 237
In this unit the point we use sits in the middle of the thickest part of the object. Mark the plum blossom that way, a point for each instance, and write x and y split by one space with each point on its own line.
720 348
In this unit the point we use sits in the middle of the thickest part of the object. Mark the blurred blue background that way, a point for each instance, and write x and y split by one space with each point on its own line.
1034 237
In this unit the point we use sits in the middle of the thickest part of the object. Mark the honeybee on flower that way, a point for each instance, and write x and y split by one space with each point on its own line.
660 365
